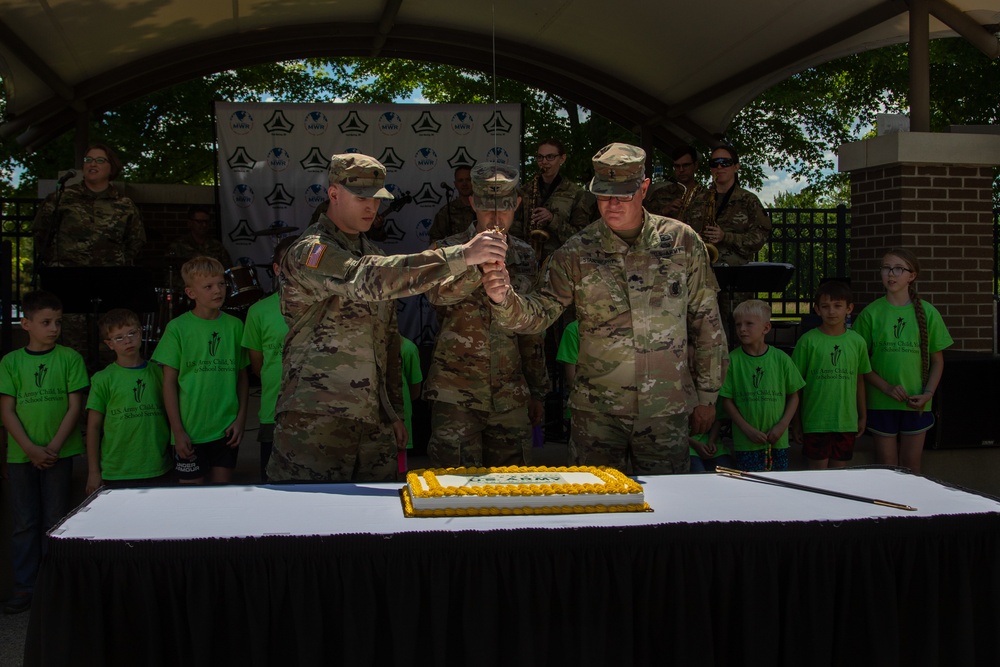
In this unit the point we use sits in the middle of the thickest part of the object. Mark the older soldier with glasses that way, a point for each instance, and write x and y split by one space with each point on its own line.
339 416
644 292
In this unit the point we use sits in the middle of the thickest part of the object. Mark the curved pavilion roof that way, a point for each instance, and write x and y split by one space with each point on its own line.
672 71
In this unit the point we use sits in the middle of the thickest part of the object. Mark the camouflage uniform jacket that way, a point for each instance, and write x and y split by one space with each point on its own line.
341 354
560 203
743 221
638 308
187 248
658 199
453 218
89 229
478 364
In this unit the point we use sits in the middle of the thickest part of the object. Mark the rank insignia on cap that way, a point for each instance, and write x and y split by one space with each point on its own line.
315 255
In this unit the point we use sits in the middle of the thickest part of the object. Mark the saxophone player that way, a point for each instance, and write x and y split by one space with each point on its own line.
673 199
547 202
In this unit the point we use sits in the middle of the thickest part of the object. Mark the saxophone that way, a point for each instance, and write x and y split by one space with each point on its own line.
537 234
713 251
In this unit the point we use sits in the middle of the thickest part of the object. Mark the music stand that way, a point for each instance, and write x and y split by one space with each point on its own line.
95 289
752 277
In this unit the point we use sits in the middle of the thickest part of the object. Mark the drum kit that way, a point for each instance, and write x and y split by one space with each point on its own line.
243 289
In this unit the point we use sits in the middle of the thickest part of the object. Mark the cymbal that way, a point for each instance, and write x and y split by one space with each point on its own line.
275 231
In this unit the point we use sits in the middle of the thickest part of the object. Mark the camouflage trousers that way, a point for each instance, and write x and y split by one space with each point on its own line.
472 438
654 446
320 448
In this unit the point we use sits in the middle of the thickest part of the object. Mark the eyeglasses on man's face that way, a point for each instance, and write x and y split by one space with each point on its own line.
895 270
547 158
127 336
619 198
98 160
683 165
721 162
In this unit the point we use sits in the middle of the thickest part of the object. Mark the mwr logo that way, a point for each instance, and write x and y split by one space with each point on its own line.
427 196
316 122
425 159
390 123
424 230
426 125
315 195
461 122
353 125
352 150
241 122
243 195
461 158
315 161
242 235
278 159
240 160
278 124
279 197
498 154
497 124
391 161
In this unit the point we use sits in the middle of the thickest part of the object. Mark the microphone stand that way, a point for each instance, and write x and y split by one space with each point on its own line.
40 253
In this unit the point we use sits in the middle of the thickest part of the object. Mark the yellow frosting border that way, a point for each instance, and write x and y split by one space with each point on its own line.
614 483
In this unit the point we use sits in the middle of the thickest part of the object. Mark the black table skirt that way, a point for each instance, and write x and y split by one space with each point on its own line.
913 591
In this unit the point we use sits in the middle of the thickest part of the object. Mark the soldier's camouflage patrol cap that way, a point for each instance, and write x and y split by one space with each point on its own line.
619 169
494 187
362 175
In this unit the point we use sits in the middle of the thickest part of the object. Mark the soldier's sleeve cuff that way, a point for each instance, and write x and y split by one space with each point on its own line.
455 257
708 397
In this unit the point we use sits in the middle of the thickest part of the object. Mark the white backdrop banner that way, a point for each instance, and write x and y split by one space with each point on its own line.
273 160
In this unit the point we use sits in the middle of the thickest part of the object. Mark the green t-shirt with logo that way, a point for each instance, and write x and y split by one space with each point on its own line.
208 356
136 432
759 386
830 366
893 339
265 332
411 375
41 383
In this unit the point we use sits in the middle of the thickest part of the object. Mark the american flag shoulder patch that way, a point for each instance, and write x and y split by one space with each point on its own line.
315 255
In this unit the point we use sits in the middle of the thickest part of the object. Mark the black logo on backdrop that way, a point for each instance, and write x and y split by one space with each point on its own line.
278 124
353 125
315 161
240 160
426 125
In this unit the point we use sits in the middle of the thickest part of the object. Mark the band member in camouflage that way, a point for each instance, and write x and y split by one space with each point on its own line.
341 375
486 384
672 199
548 201
643 291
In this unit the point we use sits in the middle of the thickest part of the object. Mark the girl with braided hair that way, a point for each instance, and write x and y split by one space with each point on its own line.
905 337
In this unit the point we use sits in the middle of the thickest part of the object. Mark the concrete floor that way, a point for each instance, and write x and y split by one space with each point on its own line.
972 469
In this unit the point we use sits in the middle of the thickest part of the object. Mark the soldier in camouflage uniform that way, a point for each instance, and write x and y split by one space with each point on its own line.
672 199
456 216
199 242
548 201
339 412
94 225
487 385
644 291
730 218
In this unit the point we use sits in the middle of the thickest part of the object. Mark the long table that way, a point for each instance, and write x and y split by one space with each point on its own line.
721 572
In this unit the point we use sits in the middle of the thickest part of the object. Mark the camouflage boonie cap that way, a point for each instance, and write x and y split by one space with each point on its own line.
494 187
362 175
618 170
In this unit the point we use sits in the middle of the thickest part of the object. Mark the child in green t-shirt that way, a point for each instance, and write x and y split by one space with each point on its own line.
41 398
263 338
205 382
833 361
760 392
127 432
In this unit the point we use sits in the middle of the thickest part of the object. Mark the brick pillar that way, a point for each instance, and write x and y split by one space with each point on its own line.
932 194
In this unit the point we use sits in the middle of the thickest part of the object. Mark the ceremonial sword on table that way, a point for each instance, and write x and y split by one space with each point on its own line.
739 474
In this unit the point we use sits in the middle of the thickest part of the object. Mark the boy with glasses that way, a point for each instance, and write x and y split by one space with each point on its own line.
127 430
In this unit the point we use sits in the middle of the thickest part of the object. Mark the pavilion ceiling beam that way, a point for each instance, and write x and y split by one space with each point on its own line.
33 62
385 24
964 25
799 52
